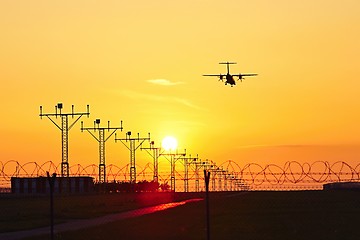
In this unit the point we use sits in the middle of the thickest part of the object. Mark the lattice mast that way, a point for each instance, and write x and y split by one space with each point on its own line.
187 162
101 138
155 153
64 127
217 173
198 165
173 158
132 144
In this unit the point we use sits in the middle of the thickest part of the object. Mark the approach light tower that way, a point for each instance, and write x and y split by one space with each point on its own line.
198 165
64 128
134 144
187 162
173 158
101 139
155 154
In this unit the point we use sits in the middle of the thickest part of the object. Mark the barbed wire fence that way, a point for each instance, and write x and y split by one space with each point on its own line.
228 176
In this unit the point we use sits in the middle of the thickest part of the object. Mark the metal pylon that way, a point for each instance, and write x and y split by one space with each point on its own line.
172 174
101 139
197 178
198 165
186 177
132 161
65 146
155 154
173 158
64 128
133 146
187 162
102 166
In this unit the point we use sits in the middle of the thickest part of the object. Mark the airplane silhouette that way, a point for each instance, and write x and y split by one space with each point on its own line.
230 77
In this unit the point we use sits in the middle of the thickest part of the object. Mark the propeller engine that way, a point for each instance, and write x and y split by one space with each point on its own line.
221 77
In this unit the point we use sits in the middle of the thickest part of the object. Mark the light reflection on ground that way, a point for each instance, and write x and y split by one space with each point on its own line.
85 223
140 212
148 210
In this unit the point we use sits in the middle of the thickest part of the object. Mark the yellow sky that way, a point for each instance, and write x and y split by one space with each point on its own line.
304 104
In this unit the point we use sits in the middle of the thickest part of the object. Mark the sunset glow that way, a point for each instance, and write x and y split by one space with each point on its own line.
169 143
141 62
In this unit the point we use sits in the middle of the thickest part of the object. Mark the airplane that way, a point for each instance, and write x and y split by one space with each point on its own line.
230 77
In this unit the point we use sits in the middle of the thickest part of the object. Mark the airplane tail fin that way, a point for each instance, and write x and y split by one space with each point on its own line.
227 65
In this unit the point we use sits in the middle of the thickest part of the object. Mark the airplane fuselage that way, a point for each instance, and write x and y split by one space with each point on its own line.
229 79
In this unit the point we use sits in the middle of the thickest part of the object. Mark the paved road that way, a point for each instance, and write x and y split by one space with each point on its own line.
86 223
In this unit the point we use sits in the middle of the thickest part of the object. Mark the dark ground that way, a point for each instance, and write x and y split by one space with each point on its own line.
251 215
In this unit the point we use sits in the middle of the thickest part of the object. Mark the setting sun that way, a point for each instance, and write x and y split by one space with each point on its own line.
169 143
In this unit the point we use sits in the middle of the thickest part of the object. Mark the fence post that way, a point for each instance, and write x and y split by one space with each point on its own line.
207 180
51 180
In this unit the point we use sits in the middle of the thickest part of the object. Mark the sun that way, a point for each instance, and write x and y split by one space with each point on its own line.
169 143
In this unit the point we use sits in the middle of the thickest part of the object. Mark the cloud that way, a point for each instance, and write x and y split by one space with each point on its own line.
185 102
158 98
275 146
143 96
288 146
164 82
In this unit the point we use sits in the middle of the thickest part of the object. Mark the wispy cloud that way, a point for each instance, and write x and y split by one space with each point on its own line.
286 146
185 102
158 98
164 82
143 96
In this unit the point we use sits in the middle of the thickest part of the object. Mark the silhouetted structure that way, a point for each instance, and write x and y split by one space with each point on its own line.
65 128
101 139
342 186
39 185
229 78
133 146
228 176
155 154
174 156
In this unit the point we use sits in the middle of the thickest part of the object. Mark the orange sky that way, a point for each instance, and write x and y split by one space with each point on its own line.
303 106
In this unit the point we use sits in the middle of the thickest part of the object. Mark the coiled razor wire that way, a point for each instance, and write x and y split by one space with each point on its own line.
251 175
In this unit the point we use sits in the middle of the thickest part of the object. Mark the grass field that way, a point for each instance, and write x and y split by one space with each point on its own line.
252 215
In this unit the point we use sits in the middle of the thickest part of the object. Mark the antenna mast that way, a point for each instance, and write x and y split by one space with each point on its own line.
64 128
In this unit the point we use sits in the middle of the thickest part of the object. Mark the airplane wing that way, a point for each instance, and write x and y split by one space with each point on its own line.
247 74
241 76
213 75
220 76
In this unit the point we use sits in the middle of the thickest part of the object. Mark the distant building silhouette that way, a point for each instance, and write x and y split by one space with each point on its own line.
40 185
342 186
